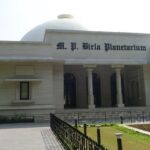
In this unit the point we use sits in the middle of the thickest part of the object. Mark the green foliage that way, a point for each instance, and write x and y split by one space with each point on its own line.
98 125
106 125
131 140
4 119
130 132
16 119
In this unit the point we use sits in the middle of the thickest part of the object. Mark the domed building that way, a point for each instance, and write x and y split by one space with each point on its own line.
63 22
60 66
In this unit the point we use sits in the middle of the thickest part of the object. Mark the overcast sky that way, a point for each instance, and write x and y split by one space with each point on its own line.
19 16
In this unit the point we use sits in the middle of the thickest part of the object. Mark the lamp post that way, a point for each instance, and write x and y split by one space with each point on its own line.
98 136
119 140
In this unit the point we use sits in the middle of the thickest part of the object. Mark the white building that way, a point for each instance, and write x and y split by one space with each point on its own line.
61 65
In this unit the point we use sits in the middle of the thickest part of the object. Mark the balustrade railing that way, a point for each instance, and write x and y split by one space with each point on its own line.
70 137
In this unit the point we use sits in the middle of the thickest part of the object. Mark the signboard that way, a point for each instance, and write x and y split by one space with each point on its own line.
96 46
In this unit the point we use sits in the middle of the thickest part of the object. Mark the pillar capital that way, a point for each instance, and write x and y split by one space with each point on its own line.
89 70
89 66
118 66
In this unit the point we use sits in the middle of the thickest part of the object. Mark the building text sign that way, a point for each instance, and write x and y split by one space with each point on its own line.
96 46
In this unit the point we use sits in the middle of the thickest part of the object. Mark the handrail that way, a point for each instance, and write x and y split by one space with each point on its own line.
71 138
111 116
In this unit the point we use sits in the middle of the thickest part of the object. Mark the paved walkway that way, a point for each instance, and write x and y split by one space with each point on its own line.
136 129
28 136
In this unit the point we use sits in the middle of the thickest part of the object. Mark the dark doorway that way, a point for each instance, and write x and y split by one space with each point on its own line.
134 92
114 89
96 90
70 90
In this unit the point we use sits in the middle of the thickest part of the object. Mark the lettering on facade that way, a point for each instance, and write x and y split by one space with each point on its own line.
61 45
109 46
73 46
88 46
94 46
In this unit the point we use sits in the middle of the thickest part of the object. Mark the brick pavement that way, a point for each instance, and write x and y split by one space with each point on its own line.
28 136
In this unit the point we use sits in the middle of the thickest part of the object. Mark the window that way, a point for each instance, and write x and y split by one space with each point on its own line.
24 90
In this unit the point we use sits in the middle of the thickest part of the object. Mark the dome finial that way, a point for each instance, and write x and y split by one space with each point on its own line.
65 16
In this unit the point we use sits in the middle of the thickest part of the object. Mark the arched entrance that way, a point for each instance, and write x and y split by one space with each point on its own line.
69 90
113 90
134 92
96 90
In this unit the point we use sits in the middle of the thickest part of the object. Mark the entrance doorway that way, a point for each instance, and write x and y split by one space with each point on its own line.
70 90
96 90
113 90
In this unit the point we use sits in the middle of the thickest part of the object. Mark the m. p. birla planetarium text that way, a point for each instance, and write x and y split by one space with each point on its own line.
106 46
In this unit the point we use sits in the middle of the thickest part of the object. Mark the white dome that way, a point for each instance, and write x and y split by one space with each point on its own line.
64 22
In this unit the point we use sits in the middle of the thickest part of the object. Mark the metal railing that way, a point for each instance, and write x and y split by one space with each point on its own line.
105 116
71 138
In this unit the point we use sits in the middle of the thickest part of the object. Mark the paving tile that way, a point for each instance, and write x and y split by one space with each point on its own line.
28 137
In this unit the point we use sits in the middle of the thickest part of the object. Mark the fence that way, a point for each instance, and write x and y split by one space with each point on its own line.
71 138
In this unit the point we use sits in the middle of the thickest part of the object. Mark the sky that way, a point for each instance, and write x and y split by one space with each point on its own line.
17 17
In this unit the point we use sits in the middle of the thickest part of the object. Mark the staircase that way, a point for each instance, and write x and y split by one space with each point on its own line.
100 115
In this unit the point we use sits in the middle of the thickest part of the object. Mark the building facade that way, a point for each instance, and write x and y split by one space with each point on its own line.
61 65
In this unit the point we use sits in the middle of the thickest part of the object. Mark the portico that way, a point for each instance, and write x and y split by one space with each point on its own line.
112 86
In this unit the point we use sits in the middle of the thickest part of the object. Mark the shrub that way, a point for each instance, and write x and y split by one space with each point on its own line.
18 118
4 119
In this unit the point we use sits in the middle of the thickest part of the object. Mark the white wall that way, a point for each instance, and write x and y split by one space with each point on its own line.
7 89
102 56
48 49
41 91
58 85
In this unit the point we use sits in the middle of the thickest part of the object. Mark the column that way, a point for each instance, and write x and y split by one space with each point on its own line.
119 85
90 89
89 69
119 88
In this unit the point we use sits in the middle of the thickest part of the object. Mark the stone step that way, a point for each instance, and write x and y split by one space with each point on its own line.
109 114
102 114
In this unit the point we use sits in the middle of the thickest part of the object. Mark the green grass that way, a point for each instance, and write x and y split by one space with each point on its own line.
131 140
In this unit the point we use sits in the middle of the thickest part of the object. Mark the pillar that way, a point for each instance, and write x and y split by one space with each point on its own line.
119 86
89 69
90 89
